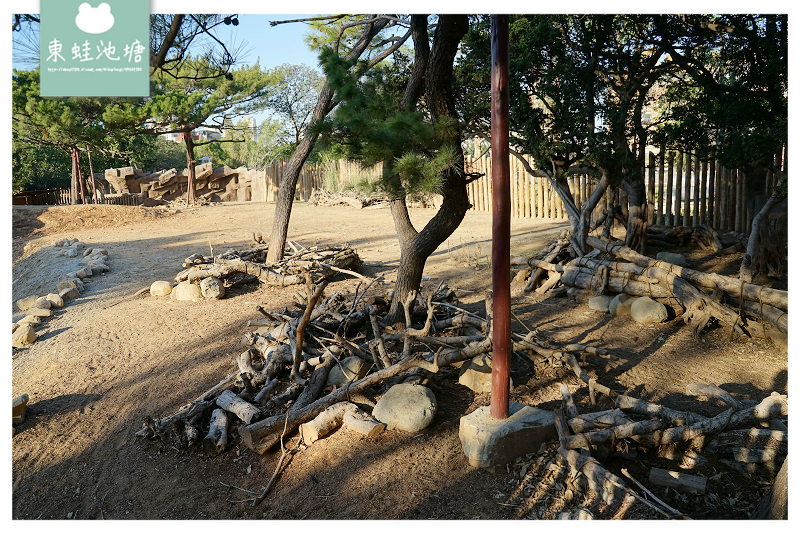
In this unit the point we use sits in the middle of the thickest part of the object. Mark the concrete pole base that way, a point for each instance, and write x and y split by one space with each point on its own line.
490 443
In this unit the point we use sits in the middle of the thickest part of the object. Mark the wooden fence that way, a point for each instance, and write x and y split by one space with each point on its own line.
63 197
681 190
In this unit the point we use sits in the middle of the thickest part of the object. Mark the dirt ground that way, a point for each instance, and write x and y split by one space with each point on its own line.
107 360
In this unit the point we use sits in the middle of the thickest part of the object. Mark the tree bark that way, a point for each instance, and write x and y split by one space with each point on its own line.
187 137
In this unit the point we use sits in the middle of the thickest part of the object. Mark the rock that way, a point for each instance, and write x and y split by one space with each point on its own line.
42 303
38 311
98 268
212 288
70 275
87 251
599 303
160 288
18 406
645 310
671 257
620 305
85 272
30 319
78 245
70 284
186 292
59 242
407 407
14 327
68 294
23 336
55 300
354 368
476 374
27 302
100 251
69 252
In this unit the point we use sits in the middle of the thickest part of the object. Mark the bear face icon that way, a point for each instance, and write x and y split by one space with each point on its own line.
94 19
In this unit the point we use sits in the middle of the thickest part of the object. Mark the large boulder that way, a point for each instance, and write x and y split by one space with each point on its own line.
24 335
645 310
212 288
620 305
186 292
476 374
407 407
350 369
599 303
25 303
160 288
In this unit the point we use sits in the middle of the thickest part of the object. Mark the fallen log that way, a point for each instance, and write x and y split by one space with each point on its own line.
678 480
587 440
232 403
712 391
597 420
731 286
216 440
340 414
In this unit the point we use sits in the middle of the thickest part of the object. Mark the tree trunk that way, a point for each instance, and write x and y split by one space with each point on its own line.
416 247
74 181
636 232
291 174
187 137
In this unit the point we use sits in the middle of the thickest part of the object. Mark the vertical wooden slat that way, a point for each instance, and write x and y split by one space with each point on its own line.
660 187
687 190
723 197
548 205
712 190
696 192
669 218
651 187
738 223
678 189
540 209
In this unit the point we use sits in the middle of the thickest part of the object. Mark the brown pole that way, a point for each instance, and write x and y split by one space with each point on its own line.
501 220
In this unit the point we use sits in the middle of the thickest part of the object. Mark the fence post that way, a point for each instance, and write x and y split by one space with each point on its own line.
651 186
687 190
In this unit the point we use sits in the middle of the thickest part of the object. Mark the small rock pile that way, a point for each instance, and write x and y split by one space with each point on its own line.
643 309
33 309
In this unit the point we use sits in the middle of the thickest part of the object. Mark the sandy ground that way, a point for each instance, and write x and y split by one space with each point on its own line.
108 360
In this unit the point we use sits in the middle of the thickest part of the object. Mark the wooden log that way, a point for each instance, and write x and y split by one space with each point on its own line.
587 440
328 420
568 404
233 404
678 480
216 440
597 420
318 379
266 390
573 364
670 416
357 420
712 391
606 484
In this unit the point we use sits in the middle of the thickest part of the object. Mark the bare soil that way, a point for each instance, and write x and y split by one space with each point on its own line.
107 360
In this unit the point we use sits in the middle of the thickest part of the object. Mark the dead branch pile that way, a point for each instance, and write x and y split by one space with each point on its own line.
745 437
237 266
349 198
700 297
281 383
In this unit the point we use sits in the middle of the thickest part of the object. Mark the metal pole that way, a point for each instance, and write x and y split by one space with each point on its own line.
501 220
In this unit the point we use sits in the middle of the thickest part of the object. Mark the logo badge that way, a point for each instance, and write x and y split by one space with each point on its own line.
99 49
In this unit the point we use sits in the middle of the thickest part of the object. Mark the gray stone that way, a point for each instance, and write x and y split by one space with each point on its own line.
68 294
55 300
212 288
490 442
78 245
69 252
70 284
70 275
476 374
30 319
407 407
59 242
578 514
186 292
599 303
671 257
23 336
42 303
160 288
645 310
87 251
38 311
350 369
85 272
620 305
98 268
27 302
